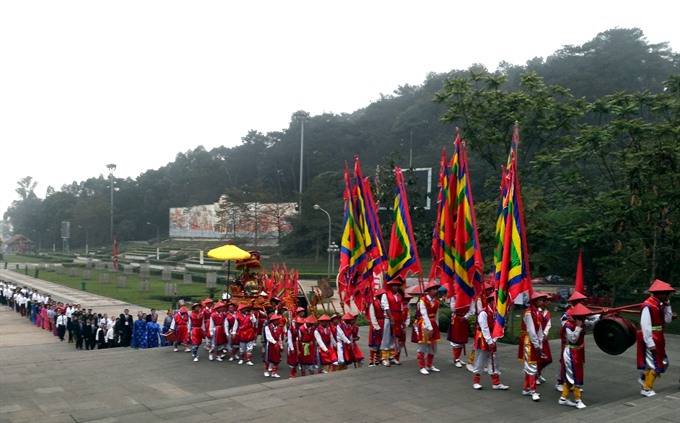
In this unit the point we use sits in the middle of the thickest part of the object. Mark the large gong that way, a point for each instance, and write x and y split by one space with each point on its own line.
614 334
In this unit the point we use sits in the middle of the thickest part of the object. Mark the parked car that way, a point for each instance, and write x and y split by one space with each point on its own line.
539 281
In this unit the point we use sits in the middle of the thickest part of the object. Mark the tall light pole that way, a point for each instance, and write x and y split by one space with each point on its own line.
302 117
86 239
158 240
333 249
111 167
317 207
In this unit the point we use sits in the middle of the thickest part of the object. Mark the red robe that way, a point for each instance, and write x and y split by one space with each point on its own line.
329 356
352 352
246 328
479 342
306 346
181 328
657 313
197 335
273 350
375 335
524 336
573 355
218 320
418 334
395 302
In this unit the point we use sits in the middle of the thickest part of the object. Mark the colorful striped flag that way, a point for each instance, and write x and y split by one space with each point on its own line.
469 266
353 258
403 254
369 224
511 258
442 258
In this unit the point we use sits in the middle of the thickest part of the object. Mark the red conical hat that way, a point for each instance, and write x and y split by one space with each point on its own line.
660 286
536 295
208 301
274 317
299 309
242 306
579 310
576 296
348 316
395 282
489 285
310 320
324 318
379 292
219 305
432 285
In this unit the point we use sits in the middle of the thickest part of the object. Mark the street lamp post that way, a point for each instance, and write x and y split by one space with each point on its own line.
317 207
158 240
87 251
111 167
302 117
333 249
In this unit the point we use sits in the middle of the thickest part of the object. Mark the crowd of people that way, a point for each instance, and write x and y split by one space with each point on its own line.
79 326
228 331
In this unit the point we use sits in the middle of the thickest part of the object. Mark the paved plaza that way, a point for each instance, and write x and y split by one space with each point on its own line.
42 379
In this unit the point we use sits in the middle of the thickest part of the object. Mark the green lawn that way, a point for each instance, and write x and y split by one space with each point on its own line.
154 298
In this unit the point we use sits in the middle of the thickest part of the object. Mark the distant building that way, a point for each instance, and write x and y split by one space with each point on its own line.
18 244
258 223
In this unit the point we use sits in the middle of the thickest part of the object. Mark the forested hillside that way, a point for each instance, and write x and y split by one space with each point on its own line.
600 151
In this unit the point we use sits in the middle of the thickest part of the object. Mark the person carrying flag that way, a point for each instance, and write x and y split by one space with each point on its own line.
484 344
531 344
426 329
392 304
376 316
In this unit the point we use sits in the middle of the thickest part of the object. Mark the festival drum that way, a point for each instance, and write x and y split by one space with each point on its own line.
169 336
614 334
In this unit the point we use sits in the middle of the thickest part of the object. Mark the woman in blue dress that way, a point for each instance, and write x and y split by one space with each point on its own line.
139 331
153 332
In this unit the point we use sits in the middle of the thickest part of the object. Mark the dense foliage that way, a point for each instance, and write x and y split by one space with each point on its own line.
599 159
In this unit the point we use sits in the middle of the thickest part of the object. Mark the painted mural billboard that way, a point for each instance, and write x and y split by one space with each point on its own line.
225 220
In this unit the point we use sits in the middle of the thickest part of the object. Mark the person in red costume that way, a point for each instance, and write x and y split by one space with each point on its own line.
376 316
180 325
326 344
351 351
218 332
196 329
245 331
485 356
573 356
307 346
273 334
651 344
392 304
531 344
426 329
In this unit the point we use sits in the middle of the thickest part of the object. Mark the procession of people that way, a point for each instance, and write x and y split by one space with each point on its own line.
310 344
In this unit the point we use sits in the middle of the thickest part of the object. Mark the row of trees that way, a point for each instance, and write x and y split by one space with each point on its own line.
598 161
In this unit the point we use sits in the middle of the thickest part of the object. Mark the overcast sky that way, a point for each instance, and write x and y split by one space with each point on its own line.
87 83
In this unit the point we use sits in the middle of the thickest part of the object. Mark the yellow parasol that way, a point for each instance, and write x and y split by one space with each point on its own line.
228 253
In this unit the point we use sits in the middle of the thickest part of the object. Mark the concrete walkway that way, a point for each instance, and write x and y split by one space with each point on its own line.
42 379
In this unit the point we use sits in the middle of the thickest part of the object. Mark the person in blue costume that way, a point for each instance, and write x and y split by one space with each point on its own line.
153 331
139 331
